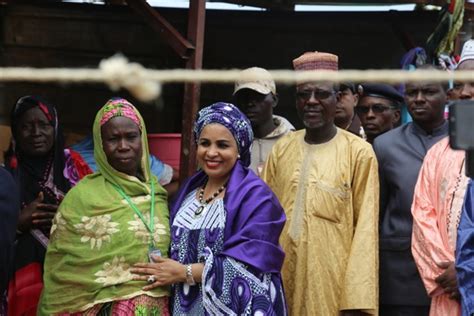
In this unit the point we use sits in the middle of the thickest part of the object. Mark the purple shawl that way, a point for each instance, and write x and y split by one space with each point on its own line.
254 222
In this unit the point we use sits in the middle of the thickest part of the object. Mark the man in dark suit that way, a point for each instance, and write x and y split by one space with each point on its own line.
400 153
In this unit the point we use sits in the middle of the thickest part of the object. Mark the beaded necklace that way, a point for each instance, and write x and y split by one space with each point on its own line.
204 203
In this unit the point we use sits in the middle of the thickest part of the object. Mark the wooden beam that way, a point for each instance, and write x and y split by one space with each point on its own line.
192 91
158 23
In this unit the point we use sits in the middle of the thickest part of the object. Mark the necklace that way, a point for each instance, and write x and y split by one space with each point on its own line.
201 208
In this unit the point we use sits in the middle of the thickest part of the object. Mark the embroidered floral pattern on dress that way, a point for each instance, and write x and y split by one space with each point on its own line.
141 232
96 230
59 223
115 272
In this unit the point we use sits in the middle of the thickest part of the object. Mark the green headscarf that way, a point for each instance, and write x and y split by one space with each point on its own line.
97 237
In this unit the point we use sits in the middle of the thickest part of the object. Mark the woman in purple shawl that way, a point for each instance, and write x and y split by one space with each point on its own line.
225 227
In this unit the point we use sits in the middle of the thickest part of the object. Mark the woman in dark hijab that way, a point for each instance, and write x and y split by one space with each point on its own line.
43 171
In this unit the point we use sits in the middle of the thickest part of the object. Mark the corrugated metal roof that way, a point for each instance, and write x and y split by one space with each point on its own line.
289 4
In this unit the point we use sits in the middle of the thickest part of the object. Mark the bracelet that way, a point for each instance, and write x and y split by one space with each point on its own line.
189 275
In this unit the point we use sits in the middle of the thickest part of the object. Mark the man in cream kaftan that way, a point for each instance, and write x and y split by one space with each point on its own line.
326 180
330 195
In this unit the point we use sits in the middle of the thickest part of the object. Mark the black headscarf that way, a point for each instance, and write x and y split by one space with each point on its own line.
35 174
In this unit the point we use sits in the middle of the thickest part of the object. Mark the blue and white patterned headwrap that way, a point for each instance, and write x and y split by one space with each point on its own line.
235 121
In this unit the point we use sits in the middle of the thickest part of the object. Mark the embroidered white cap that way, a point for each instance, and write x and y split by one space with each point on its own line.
467 51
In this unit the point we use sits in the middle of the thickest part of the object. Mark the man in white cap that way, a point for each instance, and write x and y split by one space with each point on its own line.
255 95
436 209
464 91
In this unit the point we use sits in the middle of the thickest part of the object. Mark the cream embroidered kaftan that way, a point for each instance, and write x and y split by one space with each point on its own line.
330 193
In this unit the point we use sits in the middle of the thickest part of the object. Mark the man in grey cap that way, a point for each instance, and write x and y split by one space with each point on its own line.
256 98
378 109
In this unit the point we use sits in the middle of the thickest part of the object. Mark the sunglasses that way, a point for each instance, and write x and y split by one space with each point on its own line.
376 108
320 95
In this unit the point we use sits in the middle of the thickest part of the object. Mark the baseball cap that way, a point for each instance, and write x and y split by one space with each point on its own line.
263 83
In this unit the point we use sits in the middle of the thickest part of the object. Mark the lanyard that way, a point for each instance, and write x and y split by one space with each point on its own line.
150 227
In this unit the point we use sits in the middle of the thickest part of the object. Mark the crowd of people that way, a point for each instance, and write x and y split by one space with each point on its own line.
357 213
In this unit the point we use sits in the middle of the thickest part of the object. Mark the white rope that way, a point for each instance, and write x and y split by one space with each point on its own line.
145 84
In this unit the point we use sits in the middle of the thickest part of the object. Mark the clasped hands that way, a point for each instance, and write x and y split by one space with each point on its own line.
37 215
447 280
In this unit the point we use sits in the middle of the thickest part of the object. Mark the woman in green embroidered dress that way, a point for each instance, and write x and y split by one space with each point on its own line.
111 220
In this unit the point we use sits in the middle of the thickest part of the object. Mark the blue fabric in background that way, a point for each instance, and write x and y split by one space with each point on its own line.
86 149
410 61
405 115
465 253
9 208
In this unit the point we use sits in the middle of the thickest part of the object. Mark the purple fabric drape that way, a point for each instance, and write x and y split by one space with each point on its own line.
255 219
464 253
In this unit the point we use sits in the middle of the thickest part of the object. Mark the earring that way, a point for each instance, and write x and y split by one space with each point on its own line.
238 156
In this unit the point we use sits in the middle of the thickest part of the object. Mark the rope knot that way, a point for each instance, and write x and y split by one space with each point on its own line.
120 73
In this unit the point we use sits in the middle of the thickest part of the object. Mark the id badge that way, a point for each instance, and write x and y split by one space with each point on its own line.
152 252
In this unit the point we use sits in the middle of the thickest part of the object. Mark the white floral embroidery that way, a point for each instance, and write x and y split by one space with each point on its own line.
115 272
138 200
59 223
96 229
141 231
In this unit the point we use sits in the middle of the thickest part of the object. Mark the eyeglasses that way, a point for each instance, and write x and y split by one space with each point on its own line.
376 108
320 95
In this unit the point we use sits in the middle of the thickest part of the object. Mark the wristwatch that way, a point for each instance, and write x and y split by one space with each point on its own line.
189 275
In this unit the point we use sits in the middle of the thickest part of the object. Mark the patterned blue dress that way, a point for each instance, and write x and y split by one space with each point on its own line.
228 286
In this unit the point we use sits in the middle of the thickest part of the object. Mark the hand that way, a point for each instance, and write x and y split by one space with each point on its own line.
447 280
455 295
37 215
166 272
353 312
